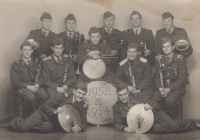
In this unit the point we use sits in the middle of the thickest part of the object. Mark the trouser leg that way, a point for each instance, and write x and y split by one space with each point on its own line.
41 96
42 127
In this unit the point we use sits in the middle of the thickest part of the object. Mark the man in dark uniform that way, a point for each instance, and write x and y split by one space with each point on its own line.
58 70
171 32
26 79
72 39
45 119
141 36
174 73
92 49
43 37
162 122
137 73
112 36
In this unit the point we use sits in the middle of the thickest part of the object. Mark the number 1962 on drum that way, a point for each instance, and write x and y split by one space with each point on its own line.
100 91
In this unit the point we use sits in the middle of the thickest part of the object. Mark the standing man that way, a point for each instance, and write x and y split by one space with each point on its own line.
92 49
45 119
43 37
112 36
162 122
137 73
173 33
58 70
72 39
141 36
171 85
26 78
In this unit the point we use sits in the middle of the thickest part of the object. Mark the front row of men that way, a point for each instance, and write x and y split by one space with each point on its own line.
133 76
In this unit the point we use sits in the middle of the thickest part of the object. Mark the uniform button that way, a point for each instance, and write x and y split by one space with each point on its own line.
168 67
168 73
58 67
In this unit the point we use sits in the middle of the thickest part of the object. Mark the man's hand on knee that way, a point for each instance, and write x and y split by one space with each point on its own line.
32 88
58 111
167 91
76 129
60 90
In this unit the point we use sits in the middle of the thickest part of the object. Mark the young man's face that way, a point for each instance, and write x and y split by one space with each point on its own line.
79 94
123 95
95 38
26 51
70 25
108 22
167 48
168 23
135 20
46 23
132 53
57 50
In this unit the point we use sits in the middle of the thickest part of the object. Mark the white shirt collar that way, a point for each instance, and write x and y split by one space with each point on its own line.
110 30
138 29
26 60
171 30
56 58
68 33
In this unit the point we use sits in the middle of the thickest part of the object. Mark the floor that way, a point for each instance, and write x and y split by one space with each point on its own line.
95 133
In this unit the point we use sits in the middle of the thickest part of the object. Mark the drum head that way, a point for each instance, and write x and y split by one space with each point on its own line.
101 96
139 119
94 69
69 117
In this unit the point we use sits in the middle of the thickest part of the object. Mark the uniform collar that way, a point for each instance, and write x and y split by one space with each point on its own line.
173 30
24 62
107 30
54 59
68 34
104 31
49 34
139 30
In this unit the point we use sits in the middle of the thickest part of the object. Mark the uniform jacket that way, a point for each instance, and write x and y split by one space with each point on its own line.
120 111
53 72
21 75
141 71
145 37
112 39
48 108
104 49
177 34
44 41
71 44
175 71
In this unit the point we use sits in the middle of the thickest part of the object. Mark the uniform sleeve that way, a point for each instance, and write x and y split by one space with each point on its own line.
147 81
47 77
82 38
182 76
83 115
118 79
157 75
151 42
40 79
106 51
31 35
82 54
123 54
71 79
118 122
16 78
157 48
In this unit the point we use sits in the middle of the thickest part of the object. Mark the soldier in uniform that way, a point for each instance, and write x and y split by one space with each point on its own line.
45 119
112 36
171 32
171 88
162 122
43 37
72 39
58 70
26 79
141 36
92 49
137 73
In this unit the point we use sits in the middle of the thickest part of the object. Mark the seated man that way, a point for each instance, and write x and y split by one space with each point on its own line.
26 79
45 119
162 122
170 77
58 70
137 73
92 49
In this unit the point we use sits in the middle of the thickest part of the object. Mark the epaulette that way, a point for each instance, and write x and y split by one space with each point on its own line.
65 55
104 41
157 57
180 56
143 59
17 62
47 58
123 62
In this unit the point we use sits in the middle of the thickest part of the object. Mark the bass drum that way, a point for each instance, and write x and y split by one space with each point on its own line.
94 69
101 97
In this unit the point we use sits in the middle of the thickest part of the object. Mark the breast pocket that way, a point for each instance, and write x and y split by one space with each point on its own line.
24 74
53 71
126 74
138 73
174 71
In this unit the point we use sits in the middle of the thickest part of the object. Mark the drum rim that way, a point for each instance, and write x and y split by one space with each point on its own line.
89 77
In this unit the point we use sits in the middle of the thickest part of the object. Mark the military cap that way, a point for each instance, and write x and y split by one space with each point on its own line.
135 13
28 43
94 30
57 40
82 86
70 17
121 88
46 16
132 45
167 15
108 14
165 40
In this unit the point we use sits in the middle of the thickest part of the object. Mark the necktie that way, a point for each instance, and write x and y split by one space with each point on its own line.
28 63
108 30
169 31
45 33
137 32
168 59
70 35
58 59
